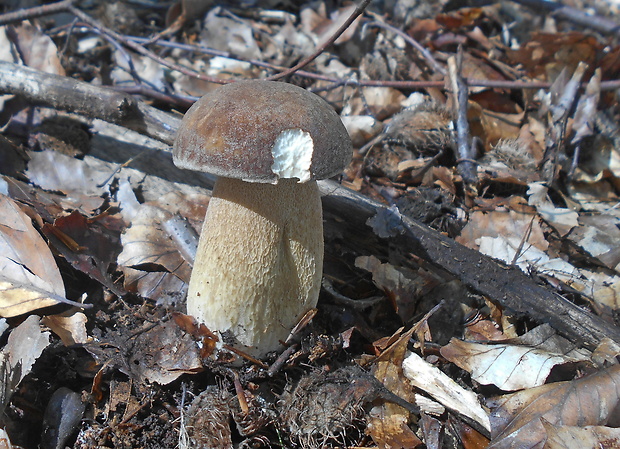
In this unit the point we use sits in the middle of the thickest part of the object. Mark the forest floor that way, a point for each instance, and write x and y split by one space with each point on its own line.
471 289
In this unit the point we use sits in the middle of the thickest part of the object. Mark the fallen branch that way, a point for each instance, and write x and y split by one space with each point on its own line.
348 210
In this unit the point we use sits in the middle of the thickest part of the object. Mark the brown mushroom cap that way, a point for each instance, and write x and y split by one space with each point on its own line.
231 131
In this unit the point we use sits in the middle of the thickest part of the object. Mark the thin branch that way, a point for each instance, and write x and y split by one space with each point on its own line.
140 49
321 48
33 13
466 162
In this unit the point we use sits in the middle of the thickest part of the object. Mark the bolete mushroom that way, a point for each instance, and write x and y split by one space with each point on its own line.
259 262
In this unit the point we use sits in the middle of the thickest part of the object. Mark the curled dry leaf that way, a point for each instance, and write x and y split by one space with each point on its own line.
517 419
70 327
29 276
146 244
155 259
509 367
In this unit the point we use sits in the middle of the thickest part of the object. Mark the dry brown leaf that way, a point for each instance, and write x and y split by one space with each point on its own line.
508 224
164 287
585 112
163 353
29 276
388 423
547 54
24 346
590 401
229 35
598 234
606 352
69 326
402 285
590 437
146 244
89 245
37 49
509 367
150 253
78 179
562 219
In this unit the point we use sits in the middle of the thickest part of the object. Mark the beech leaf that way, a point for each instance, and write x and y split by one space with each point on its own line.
572 437
517 419
509 367
29 277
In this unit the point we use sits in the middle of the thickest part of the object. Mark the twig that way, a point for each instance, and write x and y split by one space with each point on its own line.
140 49
466 162
321 48
37 11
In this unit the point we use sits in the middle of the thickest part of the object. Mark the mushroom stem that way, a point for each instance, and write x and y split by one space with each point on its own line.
259 262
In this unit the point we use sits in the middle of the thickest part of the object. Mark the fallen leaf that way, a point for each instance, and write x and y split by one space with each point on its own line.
511 225
547 54
388 423
163 287
76 178
590 401
29 278
442 388
562 219
509 367
24 346
402 285
146 244
88 244
69 326
585 112
572 437
598 234
37 49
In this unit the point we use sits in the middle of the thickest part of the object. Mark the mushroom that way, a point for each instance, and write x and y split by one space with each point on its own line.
259 261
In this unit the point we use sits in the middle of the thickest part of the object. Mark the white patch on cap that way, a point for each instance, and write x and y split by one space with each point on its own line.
292 155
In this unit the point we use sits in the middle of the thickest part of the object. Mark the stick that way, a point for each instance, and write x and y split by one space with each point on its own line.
465 149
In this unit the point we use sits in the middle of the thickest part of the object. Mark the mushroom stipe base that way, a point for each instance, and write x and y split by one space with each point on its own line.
259 261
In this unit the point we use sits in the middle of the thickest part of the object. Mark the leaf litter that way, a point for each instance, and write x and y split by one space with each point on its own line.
547 202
